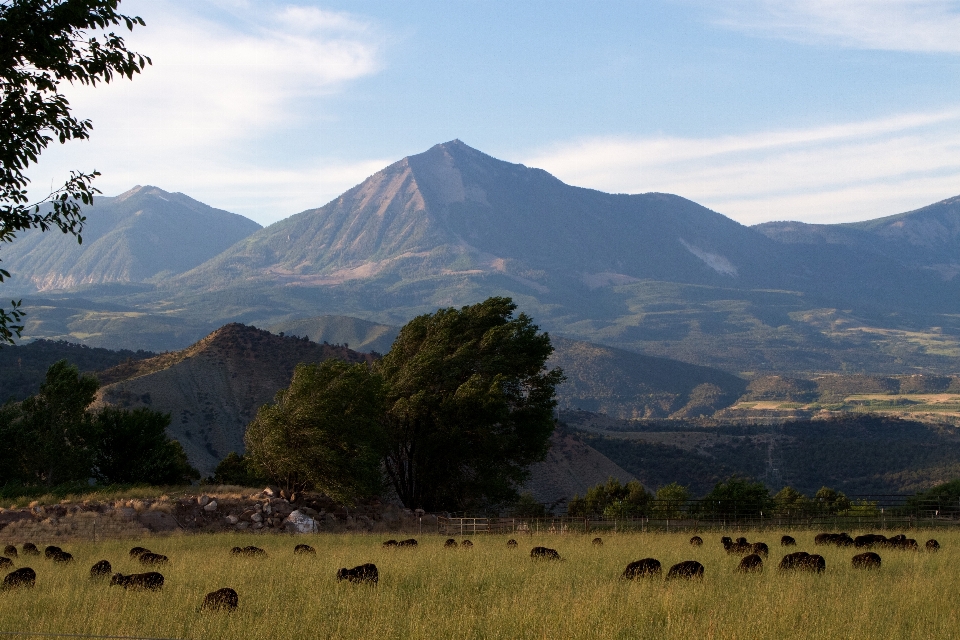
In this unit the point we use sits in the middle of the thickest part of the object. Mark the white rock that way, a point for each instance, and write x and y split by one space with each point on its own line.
203 501
301 522
211 506
233 519
257 517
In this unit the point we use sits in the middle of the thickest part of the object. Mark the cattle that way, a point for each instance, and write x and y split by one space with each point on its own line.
466 544
5 562
511 543
741 546
101 570
136 552
793 560
932 545
760 549
688 570
803 561
868 560
869 540
648 567
543 553
51 551
19 579
450 544
751 564
365 574
725 540
61 557
225 599
696 541
903 543
249 552
30 549
389 544
788 541
153 559
304 550
837 539
10 551
151 581
597 542
410 542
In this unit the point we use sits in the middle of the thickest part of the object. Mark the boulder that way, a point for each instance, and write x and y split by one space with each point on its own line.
300 522
210 506
232 519
203 501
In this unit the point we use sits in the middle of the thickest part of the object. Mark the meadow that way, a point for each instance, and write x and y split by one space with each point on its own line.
490 591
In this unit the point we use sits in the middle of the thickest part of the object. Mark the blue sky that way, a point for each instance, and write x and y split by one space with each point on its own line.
823 111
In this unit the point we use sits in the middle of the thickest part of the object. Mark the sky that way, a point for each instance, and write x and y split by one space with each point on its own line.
821 110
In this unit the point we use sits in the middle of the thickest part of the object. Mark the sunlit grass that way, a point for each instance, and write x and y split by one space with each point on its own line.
492 592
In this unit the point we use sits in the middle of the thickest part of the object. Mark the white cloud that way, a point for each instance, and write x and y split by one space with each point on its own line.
898 25
220 100
834 173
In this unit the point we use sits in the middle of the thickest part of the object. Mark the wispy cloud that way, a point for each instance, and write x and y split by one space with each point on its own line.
822 174
219 100
898 25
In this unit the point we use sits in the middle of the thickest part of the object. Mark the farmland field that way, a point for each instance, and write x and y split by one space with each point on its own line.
492 592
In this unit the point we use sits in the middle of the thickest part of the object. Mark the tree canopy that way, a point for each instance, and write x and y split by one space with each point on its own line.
469 405
42 43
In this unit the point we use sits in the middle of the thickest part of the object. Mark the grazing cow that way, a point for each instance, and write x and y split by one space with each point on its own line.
868 560
51 551
101 570
153 559
726 540
543 553
61 557
688 569
760 549
389 543
788 541
696 541
136 552
450 544
10 551
365 573
151 581
751 564
5 562
932 545
249 552
410 542
815 563
741 546
304 550
466 544
511 543
30 549
641 569
225 599
869 540
598 542
838 539
794 560
21 578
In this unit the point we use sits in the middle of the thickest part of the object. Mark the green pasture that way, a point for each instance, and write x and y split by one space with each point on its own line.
490 591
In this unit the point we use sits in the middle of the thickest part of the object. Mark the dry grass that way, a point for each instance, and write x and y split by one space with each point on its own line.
491 592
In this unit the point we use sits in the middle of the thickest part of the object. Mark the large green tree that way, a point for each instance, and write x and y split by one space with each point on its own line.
323 432
132 447
42 44
469 405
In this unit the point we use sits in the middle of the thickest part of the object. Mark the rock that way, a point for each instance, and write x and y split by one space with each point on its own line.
232 519
211 506
365 521
267 508
257 525
203 501
256 517
301 522
330 518
268 492
307 511
243 525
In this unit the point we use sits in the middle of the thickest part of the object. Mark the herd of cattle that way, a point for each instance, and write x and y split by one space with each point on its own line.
226 599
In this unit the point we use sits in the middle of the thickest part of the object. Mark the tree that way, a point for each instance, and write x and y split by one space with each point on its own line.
670 501
132 447
42 44
238 470
611 500
323 432
828 500
790 502
737 497
469 406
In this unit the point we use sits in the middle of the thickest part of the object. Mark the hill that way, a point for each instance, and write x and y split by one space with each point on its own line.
143 235
213 388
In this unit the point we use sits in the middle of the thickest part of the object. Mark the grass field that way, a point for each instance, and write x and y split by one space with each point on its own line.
492 592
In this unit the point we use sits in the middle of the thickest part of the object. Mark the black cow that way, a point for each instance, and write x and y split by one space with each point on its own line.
597 542
751 564
688 570
365 573
389 544
511 543
450 544
868 560
249 552
5 562
51 551
101 570
153 559
696 541
788 541
837 539
225 599
10 551
21 578
302 550
410 542
793 560
760 549
932 545
151 581
725 540
466 544
648 567
136 552
61 557
543 553
30 549
869 540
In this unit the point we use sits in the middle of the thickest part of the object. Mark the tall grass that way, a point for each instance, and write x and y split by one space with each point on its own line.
490 591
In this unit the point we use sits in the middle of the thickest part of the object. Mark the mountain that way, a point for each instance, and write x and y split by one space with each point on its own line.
213 389
355 333
143 235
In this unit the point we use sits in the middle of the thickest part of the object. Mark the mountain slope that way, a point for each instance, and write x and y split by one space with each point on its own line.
141 235
213 388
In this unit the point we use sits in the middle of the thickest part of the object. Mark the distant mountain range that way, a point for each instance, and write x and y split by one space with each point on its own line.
651 273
